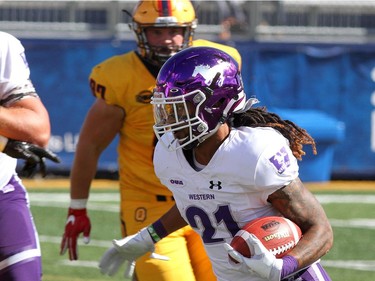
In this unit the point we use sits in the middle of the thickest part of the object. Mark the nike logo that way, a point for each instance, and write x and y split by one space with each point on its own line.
71 219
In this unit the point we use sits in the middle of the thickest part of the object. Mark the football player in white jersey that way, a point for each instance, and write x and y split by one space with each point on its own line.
24 131
227 163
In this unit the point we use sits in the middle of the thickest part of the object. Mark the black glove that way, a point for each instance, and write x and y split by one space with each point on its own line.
33 154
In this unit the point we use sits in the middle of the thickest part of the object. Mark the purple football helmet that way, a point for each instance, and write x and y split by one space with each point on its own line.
198 88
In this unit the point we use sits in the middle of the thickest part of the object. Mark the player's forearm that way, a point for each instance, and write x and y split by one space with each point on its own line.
317 237
314 244
168 223
298 204
83 171
172 220
101 125
28 121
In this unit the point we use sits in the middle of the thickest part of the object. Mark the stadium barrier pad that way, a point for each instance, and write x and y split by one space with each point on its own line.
326 131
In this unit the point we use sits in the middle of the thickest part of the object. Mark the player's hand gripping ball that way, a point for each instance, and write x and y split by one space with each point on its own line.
278 234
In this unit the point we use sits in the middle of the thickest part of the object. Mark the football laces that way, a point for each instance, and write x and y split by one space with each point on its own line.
281 249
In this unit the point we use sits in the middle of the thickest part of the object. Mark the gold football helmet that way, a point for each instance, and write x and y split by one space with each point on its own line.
162 13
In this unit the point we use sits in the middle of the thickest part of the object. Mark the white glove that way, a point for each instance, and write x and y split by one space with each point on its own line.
111 262
263 262
127 250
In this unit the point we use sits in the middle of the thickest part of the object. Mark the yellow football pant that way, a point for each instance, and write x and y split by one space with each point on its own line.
188 259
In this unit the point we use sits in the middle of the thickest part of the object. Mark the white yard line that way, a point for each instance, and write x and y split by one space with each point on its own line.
115 197
94 243
105 207
346 198
80 263
64 196
108 202
352 264
354 223
356 264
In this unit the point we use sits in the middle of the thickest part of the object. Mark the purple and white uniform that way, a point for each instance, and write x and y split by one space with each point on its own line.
220 198
20 257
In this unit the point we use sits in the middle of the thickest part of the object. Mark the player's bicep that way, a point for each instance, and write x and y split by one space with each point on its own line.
102 123
297 203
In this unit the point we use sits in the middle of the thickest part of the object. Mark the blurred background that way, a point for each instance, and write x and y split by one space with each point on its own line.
312 62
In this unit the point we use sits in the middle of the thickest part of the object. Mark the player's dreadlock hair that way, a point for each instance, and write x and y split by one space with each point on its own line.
260 117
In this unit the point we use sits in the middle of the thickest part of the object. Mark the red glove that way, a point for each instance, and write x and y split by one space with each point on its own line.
77 222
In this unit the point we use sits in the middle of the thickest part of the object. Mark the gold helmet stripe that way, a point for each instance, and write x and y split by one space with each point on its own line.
165 8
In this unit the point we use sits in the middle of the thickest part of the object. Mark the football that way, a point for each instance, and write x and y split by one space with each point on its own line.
278 234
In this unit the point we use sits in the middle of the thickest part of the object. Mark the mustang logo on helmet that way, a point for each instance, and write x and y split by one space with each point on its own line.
210 73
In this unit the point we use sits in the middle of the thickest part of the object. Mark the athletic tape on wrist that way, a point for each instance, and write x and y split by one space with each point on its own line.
78 204
3 143
157 231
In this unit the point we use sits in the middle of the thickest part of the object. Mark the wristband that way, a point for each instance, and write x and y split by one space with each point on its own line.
77 212
3 143
157 231
78 204
290 265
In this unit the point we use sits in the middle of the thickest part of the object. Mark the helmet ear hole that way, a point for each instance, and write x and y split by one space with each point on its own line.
218 104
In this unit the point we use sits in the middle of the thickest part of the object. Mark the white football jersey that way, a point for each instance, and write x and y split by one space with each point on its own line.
231 190
14 85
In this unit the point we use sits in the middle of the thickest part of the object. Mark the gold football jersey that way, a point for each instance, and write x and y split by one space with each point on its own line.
125 81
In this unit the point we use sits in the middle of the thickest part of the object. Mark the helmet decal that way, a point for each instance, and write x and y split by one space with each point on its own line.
164 8
210 73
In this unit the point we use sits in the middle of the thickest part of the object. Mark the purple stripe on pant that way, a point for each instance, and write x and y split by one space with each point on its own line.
314 272
19 245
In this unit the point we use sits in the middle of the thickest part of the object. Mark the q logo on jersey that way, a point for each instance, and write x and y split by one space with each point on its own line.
280 160
144 96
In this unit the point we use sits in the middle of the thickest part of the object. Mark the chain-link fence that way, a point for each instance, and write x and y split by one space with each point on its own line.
284 20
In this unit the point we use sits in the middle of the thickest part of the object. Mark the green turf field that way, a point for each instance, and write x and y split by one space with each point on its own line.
352 216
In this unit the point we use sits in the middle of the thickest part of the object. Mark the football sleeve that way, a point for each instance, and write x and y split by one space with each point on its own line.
276 165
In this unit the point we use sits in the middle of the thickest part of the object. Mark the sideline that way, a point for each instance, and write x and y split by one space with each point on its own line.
103 184
63 183
341 186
